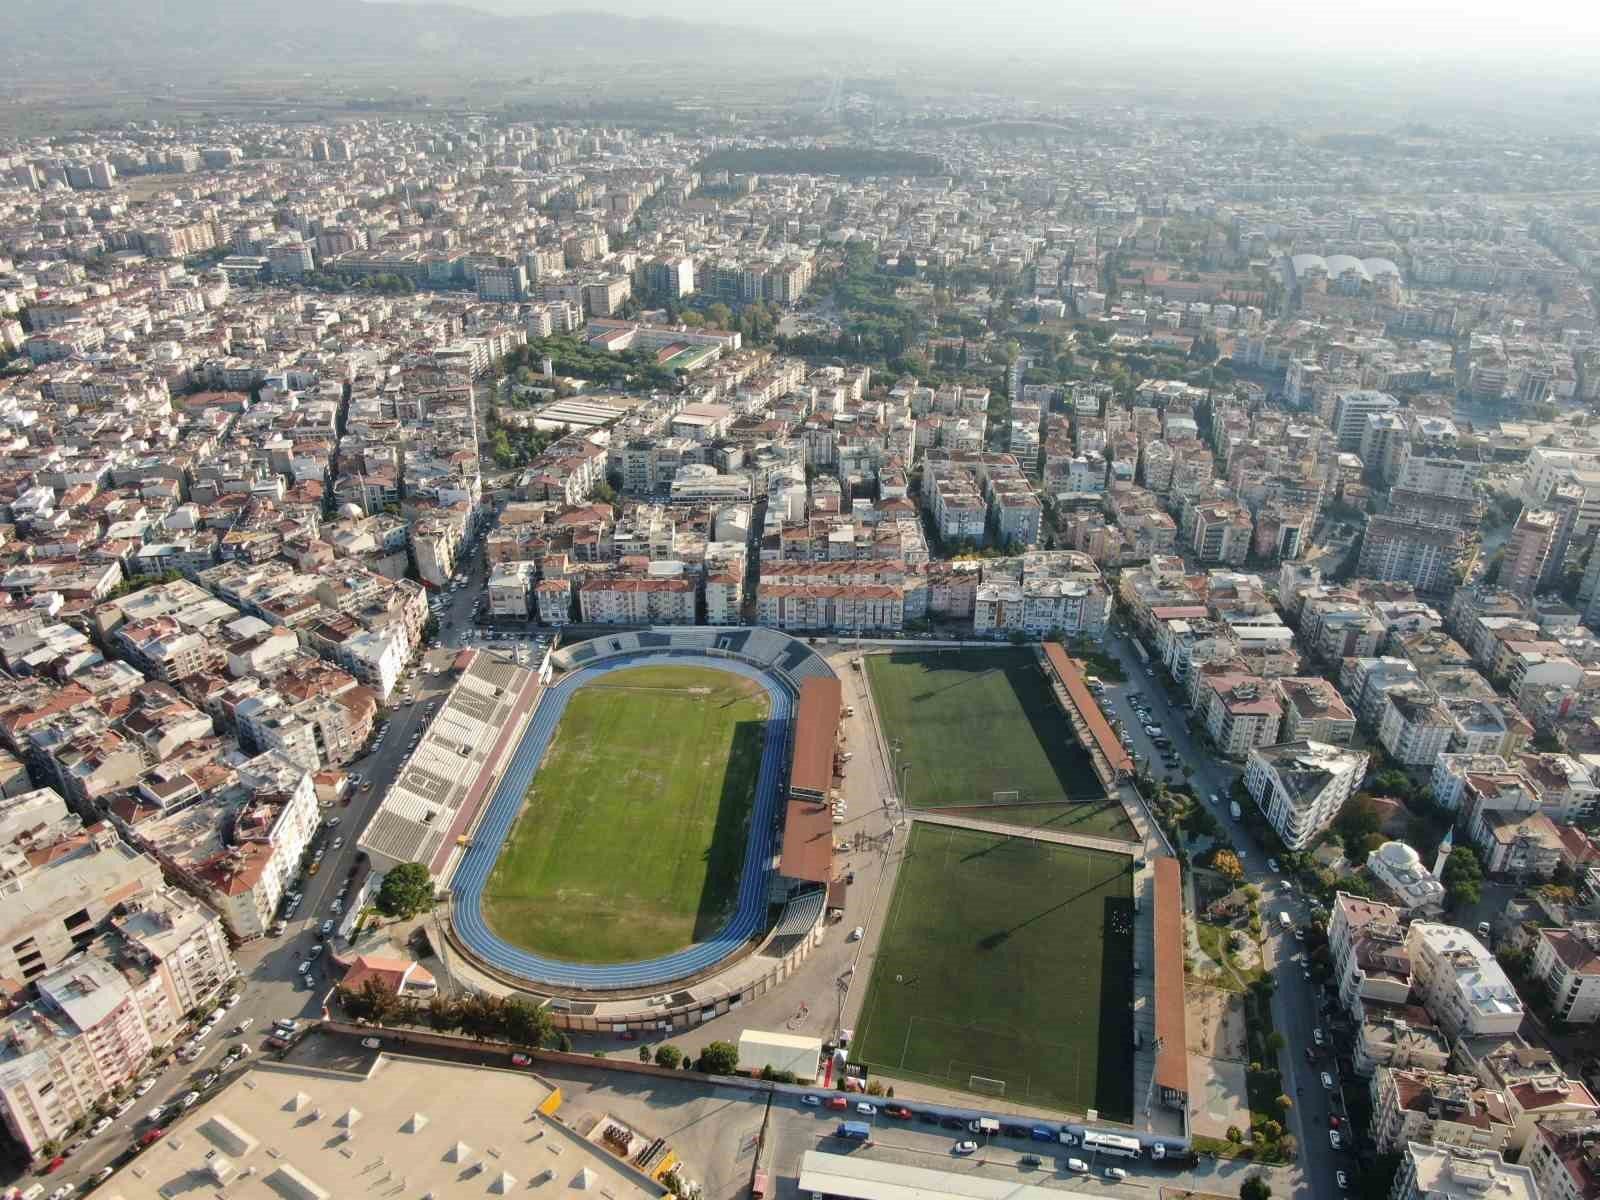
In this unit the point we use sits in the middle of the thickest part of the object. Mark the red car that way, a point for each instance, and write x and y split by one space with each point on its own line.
54 1165
521 1060
1334 1122
151 1137
838 1103
900 1113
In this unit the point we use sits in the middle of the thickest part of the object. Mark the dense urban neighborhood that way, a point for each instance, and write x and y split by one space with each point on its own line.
1044 648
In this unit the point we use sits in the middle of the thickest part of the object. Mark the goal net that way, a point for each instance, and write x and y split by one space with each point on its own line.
983 1083
1011 797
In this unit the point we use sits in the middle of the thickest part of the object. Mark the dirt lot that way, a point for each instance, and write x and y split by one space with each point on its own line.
1216 1022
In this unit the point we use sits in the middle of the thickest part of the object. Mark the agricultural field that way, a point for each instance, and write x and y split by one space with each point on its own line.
1005 969
632 834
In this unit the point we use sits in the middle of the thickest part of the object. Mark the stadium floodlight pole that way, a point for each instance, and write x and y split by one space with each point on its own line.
905 800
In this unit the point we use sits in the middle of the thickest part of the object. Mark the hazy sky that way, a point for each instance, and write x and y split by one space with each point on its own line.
1378 28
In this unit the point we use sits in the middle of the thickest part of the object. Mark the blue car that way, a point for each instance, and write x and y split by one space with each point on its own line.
1042 1133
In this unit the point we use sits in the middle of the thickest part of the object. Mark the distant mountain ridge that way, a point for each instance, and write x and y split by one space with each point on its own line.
40 34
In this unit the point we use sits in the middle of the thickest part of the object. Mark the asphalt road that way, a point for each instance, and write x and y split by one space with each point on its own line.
1295 1003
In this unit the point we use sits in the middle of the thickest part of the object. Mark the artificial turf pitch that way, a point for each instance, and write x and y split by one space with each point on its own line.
975 722
632 836
1010 959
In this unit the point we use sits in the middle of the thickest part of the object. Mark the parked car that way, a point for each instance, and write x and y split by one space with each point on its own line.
1077 1166
1114 1173
838 1103
144 1087
150 1137
100 1126
899 1112
209 1079
1327 1081
865 1109
966 1146
1341 1179
371 1043
1029 1162
189 1099
243 1025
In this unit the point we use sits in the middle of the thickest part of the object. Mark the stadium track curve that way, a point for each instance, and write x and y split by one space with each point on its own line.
750 912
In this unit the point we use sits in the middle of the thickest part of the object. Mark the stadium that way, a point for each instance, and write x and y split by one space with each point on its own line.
642 831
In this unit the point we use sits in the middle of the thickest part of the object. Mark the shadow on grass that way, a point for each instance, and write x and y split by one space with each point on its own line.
1068 761
730 836
1114 1069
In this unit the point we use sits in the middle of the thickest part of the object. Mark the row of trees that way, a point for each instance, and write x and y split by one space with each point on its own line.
512 1020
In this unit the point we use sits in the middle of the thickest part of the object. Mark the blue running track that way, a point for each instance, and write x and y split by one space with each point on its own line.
473 873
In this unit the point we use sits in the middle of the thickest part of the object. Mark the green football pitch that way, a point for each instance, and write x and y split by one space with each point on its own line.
632 836
982 727
1005 969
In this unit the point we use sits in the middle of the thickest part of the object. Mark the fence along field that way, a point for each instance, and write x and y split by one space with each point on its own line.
1004 968
632 835
982 727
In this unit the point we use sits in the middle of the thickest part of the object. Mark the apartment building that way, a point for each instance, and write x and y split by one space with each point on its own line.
1436 1109
49 910
435 546
1416 552
1301 786
1527 551
1313 711
1219 532
100 1015
1459 982
1454 1173
839 608
1536 1088
1567 962
1414 727
1350 412
1564 1157
1240 711
511 591
637 600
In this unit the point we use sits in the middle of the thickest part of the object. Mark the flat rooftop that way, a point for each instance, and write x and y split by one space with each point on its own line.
383 1127
859 1178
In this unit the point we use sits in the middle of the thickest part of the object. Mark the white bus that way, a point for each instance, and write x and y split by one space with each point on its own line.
1115 1144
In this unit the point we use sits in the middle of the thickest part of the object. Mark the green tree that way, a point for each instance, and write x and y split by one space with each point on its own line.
644 1054
1275 1041
1357 820
524 1024
1463 877
719 1058
719 316
1226 863
406 891
1255 1188
669 1056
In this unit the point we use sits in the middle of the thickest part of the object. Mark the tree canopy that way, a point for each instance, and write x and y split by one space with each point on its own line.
406 891
719 1058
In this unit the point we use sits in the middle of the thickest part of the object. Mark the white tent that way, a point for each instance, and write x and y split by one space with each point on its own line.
460 1152
504 1184
415 1124
585 1179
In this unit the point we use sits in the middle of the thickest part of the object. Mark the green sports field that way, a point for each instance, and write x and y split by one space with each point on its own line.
975 722
1008 959
632 836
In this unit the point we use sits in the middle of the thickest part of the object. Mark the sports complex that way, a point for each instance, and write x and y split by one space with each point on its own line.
647 831
629 842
